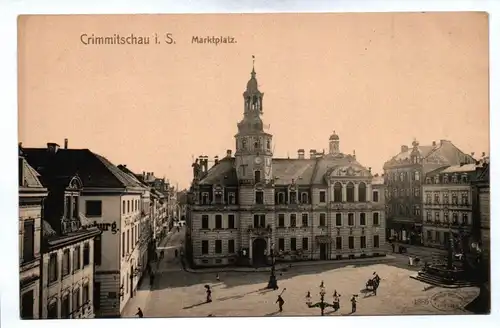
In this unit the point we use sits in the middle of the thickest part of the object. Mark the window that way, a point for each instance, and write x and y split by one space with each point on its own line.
465 199
305 220
123 207
362 219
218 197
429 235
293 220
230 221
52 312
124 250
416 210
128 241
204 198
230 246
93 208
454 178
76 300
281 198
97 295
445 178
259 197
362 240
436 179
231 198
85 294
416 192
53 275
293 244
65 263
322 196
464 178
402 176
429 216
362 192
351 242
218 246
417 176
281 220
375 196
436 198
322 219
293 197
204 221
376 218
86 254
305 244
455 218
218 221
281 244
259 221
65 309
445 216
465 218
128 206
338 242
376 242
27 306
76 258
350 192
97 250
28 240
204 247
338 219
428 198
337 192
436 216
257 176
350 219
304 199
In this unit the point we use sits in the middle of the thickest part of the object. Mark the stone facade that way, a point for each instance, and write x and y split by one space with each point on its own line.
245 207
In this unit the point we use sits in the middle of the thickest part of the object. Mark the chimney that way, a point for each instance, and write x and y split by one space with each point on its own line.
434 144
216 160
143 175
312 153
66 143
52 147
483 154
152 175
442 141
404 148
228 153
354 153
300 154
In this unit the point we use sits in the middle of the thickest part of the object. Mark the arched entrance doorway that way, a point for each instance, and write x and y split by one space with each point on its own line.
259 246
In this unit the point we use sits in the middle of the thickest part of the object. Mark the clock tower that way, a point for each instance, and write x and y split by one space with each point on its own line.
253 145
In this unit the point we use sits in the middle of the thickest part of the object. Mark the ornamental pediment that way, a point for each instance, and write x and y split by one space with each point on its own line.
348 171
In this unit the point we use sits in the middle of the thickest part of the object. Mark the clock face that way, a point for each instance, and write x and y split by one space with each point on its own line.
258 160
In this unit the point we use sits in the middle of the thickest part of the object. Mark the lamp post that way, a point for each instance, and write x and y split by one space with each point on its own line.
450 242
321 304
273 282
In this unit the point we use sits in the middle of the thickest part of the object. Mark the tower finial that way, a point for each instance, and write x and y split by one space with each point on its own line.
253 65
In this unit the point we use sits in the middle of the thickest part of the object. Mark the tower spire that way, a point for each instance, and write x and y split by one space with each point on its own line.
253 65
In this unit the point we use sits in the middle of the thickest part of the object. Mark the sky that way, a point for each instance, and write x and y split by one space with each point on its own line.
379 80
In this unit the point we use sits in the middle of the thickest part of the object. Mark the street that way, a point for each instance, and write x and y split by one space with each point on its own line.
177 293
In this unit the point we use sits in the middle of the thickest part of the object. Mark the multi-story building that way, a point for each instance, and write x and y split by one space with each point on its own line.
447 205
111 199
304 208
31 196
69 251
403 178
378 201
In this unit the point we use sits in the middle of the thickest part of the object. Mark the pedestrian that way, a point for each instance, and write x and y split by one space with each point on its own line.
176 252
393 247
151 279
336 301
353 303
209 293
217 277
178 229
280 302
139 313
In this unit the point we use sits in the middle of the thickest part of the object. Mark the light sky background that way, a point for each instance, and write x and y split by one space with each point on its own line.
379 80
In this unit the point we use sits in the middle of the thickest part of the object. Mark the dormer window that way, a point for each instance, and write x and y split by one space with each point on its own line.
231 198
428 180
436 179
293 197
454 179
218 197
445 179
204 198
304 199
281 198
464 178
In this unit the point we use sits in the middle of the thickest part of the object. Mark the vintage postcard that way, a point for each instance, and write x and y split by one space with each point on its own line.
253 165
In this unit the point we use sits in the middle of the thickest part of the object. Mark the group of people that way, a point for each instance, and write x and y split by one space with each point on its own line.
373 283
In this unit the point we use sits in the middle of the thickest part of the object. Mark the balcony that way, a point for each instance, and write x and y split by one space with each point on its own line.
260 231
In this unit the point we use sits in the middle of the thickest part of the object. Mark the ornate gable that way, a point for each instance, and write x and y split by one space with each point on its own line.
347 171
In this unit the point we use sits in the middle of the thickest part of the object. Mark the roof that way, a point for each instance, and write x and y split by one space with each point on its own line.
285 171
30 178
460 168
442 154
134 176
94 170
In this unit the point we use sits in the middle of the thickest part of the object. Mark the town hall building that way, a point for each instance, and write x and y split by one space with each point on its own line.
316 208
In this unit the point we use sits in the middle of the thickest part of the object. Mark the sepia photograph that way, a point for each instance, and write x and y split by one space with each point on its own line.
253 165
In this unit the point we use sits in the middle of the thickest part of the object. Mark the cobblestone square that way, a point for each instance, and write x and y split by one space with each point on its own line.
182 294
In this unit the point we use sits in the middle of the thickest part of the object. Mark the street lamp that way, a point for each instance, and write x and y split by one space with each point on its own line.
321 304
450 241
273 283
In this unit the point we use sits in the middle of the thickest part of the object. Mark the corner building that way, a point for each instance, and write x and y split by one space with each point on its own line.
303 208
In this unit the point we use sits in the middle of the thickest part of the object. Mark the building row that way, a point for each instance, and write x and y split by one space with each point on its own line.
86 232
250 205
